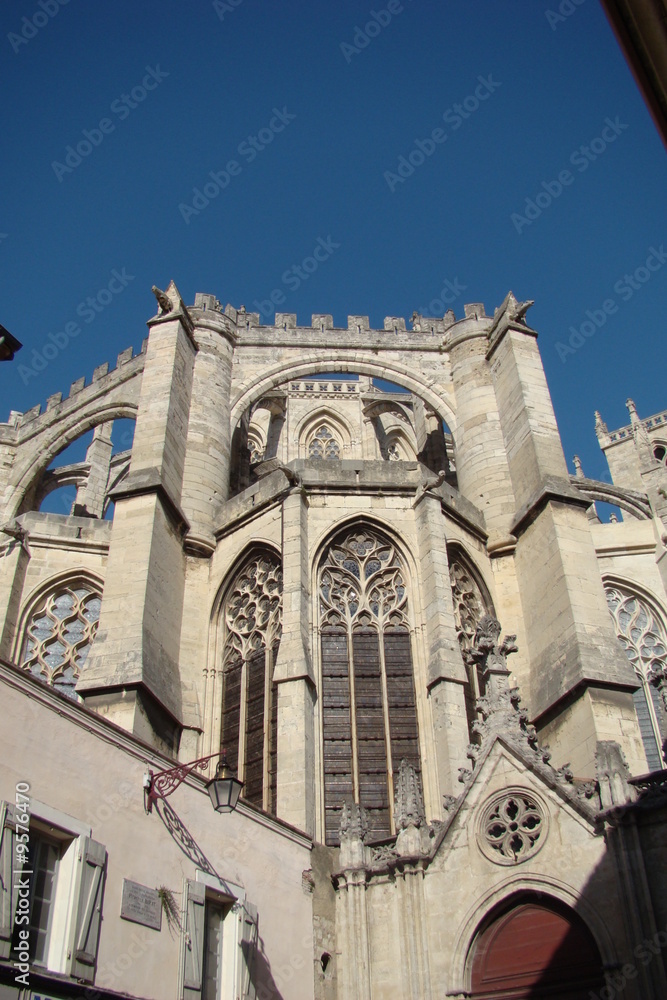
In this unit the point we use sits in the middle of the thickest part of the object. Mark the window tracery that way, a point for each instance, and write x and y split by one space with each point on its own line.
369 710
59 634
512 827
323 444
471 603
644 638
256 449
252 617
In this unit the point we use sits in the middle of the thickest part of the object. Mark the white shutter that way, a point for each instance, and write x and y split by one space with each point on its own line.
193 940
8 891
88 914
248 943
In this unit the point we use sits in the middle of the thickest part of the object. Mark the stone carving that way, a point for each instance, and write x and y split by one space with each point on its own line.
323 444
18 533
612 775
644 639
59 635
253 608
469 602
501 714
512 827
362 582
353 822
163 300
408 802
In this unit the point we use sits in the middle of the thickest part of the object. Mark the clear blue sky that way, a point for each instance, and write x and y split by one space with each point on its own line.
350 106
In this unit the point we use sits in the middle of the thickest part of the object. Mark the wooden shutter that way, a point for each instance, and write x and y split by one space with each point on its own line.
8 893
231 713
88 914
337 735
253 774
403 730
193 940
371 741
248 943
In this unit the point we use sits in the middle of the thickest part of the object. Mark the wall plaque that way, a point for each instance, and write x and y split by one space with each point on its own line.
141 905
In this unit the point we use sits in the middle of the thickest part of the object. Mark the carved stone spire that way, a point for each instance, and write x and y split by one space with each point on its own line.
353 833
408 802
600 427
500 711
409 813
578 470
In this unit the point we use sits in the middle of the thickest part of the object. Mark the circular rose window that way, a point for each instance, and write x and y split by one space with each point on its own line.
513 827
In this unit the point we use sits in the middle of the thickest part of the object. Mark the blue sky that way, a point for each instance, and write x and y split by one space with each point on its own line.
163 94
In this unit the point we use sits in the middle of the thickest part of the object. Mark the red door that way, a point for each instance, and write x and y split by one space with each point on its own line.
536 951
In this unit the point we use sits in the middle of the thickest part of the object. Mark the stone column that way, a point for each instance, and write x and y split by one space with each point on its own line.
481 463
294 675
446 671
14 556
352 938
90 495
132 672
206 471
580 681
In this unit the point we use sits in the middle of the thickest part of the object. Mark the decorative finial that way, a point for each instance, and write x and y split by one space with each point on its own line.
578 470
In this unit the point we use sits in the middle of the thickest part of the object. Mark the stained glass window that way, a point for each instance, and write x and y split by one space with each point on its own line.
59 634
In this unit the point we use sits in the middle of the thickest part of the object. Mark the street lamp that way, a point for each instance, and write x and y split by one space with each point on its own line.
224 789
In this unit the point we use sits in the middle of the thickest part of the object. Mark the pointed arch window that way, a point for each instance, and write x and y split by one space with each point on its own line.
59 633
643 636
471 602
323 443
369 714
252 615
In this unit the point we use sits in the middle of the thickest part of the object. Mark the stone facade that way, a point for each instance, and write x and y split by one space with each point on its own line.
308 571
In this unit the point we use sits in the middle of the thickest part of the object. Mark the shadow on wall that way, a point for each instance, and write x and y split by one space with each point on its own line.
535 947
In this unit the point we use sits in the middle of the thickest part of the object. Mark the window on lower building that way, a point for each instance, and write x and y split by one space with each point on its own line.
643 636
219 941
369 714
61 906
252 627
59 634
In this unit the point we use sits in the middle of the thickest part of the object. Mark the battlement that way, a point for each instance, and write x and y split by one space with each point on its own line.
101 374
657 422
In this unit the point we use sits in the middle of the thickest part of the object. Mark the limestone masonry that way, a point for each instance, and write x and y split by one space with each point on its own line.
440 676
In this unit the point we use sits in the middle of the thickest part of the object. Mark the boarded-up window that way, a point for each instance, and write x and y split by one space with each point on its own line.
369 714
252 624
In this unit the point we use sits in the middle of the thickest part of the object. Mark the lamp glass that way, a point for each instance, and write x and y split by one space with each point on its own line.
224 791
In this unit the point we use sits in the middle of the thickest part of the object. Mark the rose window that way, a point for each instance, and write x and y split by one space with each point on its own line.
513 828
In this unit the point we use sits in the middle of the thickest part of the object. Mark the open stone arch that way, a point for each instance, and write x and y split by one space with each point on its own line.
54 439
514 890
437 397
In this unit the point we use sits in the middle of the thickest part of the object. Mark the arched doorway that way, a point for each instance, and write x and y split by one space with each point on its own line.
535 950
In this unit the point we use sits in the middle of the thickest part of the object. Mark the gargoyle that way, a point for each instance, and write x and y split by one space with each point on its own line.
163 300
